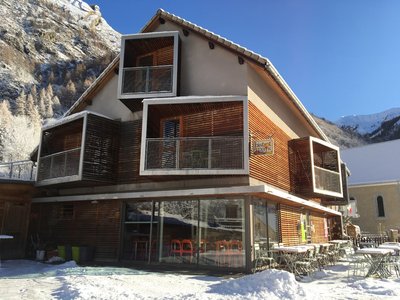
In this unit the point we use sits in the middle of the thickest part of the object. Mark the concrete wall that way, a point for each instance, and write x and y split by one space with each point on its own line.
368 209
105 102
206 71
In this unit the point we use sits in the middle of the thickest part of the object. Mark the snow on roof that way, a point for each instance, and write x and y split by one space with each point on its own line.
374 163
71 118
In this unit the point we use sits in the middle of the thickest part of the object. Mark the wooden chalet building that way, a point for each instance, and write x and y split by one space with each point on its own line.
187 150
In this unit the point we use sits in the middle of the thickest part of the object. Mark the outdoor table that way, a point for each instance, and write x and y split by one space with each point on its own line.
376 258
394 247
4 237
290 255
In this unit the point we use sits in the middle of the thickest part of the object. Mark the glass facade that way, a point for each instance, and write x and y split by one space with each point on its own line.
265 224
206 232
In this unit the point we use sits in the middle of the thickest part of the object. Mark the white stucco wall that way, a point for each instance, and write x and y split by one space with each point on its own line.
206 71
105 102
268 100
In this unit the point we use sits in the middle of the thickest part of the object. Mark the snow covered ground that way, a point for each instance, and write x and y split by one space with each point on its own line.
23 279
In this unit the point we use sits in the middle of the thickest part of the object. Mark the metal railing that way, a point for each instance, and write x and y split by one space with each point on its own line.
60 164
327 180
151 79
213 153
18 170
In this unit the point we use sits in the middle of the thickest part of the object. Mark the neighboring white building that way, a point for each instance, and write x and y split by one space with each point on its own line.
374 185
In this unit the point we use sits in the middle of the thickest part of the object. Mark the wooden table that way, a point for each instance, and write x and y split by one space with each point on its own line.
377 259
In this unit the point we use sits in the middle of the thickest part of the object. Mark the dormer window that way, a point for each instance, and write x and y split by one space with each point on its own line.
148 66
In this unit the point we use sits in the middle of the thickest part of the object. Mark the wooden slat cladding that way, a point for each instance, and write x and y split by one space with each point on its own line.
273 169
15 203
289 219
129 152
318 235
91 224
101 149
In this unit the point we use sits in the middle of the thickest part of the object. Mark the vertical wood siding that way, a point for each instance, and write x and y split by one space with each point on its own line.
289 219
96 225
318 236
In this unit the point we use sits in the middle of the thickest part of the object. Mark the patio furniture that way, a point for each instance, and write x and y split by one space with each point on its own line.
264 258
289 256
377 260
4 237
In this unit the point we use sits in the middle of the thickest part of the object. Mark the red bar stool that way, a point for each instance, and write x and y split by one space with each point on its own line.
176 248
187 248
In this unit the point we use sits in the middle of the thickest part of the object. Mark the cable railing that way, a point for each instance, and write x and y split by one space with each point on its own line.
212 153
149 79
24 170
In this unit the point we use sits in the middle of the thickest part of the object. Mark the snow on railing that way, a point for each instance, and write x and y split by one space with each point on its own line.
18 170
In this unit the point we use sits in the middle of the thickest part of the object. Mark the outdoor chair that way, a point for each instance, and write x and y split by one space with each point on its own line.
264 259
358 266
305 265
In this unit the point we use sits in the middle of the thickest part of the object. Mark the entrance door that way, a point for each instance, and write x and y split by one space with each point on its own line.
140 231
265 227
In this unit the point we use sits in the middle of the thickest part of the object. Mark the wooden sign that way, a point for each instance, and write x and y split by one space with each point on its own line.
264 147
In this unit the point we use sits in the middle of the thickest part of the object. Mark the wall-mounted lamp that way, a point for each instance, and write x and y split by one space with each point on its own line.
161 20
185 32
211 45
240 60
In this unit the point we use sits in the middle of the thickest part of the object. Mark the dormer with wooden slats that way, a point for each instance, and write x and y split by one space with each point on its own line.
315 168
148 66
79 148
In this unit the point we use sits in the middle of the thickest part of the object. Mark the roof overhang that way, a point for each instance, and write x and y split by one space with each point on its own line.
263 191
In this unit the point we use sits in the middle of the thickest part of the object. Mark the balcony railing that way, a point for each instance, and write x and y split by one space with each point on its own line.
327 180
151 79
212 153
61 164
18 170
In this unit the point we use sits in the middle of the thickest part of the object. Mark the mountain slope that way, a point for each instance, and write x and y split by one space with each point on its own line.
50 52
340 137
46 42
379 127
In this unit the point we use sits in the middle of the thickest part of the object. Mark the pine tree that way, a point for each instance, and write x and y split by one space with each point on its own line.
70 91
56 104
5 125
20 109
42 102
32 111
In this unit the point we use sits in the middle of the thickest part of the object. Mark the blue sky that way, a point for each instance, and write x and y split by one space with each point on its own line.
340 57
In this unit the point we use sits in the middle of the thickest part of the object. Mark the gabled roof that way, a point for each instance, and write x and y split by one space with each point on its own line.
242 51
373 164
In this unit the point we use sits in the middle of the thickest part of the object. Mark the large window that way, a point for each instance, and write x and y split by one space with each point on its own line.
222 233
265 224
207 232
381 207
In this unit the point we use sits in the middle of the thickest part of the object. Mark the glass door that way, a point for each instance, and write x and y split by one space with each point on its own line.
141 231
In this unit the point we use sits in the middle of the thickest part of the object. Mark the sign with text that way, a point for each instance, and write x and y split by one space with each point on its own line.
264 147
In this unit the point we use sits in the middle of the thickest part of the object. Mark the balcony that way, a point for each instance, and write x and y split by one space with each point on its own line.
147 80
148 66
79 148
59 165
194 136
200 153
315 168
24 170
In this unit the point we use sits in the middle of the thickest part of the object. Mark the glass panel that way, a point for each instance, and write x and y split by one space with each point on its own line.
141 218
178 231
222 233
